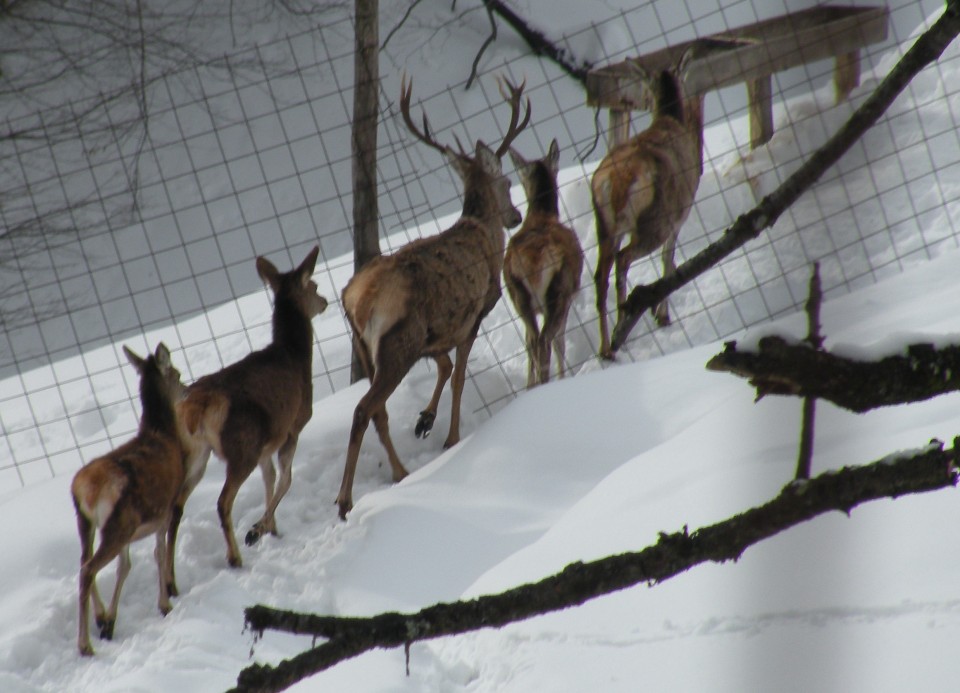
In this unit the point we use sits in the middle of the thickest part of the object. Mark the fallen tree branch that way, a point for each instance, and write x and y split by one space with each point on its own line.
925 470
747 227
783 368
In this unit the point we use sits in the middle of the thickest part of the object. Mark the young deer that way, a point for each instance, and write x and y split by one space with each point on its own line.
255 407
542 266
129 494
431 295
644 188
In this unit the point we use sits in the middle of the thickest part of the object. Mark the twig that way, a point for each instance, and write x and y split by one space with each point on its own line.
815 340
490 39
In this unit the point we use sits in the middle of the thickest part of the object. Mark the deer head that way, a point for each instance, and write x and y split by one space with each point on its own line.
481 173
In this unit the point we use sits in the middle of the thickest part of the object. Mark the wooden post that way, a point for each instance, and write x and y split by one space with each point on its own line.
366 76
619 128
846 74
760 96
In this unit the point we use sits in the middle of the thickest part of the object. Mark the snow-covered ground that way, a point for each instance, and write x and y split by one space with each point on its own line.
596 464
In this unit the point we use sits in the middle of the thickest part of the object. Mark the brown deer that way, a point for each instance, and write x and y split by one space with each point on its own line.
644 188
255 407
129 494
431 295
542 266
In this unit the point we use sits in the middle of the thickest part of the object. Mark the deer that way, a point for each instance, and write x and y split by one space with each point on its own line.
644 188
430 296
542 266
129 493
255 408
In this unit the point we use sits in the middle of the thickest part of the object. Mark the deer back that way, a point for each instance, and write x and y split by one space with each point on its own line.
649 182
544 247
142 476
269 393
441 285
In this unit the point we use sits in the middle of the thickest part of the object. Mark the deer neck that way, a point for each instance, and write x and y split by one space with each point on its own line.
292 330
543 193
157 410
693 111
480 203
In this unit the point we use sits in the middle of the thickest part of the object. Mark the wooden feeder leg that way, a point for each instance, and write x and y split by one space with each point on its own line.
619 127
846 74
759 94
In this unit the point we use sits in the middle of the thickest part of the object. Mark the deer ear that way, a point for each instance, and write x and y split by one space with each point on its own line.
457 162
268 273
134 360
488 160
553 157
519 162
309 263
162 355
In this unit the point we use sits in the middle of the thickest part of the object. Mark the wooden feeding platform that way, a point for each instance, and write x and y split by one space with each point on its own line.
749 54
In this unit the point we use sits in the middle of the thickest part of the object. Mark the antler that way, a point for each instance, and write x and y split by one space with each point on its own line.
512 98
406 89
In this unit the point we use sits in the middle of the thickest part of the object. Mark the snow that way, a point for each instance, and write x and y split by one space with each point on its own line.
596 464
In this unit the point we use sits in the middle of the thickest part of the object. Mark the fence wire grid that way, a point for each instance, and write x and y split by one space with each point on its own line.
149 227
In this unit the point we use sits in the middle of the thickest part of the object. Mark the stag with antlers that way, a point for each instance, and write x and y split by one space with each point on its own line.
431 295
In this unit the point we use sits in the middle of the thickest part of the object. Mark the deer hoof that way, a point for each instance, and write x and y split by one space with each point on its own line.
253 536
86 650
106 629
345 507
424 424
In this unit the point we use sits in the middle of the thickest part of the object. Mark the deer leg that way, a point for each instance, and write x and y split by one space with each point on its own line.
606 252
525 309
381 423
107 621
396 357
553 334
625 258
240 462
459 378
160 554
196 466
662 311
87 579
260 527
429 415
268 522
560 341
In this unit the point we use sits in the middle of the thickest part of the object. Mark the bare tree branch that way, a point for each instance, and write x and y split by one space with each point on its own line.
538 42
747 227
490 39
925 470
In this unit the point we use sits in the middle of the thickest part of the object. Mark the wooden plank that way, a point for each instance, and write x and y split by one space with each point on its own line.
619 127
846 74
746 53
760 94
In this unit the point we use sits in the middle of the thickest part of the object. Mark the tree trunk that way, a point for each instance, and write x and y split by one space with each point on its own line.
366 231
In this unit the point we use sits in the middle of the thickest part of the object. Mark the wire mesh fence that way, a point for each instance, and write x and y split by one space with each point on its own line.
146 226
